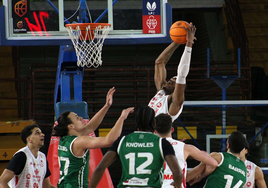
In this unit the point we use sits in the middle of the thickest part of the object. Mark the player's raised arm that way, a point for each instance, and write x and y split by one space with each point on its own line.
87 142
160 73
95 121
177 97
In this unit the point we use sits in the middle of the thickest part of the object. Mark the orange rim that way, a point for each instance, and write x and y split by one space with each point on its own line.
83 26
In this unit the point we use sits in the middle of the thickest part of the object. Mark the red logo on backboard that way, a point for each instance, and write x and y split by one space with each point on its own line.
20 8
151 22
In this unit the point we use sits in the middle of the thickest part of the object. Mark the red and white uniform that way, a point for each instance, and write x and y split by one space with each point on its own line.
250 174
178 147
33 173
160 104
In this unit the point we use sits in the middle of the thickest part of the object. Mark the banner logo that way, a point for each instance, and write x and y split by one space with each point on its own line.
151 22
20 24
20 8
151 16
151 7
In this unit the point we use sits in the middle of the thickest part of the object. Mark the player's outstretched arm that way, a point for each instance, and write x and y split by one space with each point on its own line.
106 161
93 124
160 72
87 142
115 132
177 97
198 155
259 178
202 170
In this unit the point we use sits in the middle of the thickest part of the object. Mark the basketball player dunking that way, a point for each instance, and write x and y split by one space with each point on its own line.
170 94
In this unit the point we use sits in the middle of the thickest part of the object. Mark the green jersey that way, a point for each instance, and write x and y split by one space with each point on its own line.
74 171
142 160
231 173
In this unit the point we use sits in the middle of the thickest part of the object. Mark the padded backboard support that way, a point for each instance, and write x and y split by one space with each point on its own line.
80 108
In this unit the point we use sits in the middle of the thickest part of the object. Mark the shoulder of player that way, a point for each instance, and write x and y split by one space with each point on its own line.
217 156
258 173
20 154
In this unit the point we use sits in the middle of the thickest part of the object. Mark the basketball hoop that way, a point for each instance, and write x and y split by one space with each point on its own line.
88 40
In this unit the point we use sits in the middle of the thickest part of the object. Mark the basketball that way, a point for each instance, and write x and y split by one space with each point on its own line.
178 33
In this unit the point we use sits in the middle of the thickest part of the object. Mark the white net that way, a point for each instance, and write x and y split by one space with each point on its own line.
88 44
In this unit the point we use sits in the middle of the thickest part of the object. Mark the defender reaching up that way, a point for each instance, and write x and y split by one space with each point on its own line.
74 144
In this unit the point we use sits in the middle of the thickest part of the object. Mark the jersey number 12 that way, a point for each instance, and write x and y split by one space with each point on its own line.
141 168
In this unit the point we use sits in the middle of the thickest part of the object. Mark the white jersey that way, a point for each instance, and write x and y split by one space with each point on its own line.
33 173
179 152
160 104
250 174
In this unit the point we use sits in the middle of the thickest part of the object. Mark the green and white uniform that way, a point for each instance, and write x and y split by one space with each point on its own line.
74 171
142 159
230 173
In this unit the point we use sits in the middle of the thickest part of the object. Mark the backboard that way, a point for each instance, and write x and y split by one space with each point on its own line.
40 22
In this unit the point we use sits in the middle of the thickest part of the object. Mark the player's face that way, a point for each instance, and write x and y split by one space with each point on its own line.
37 137
77 121
169 86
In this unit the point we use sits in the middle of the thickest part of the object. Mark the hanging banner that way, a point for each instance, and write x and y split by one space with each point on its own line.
151 16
